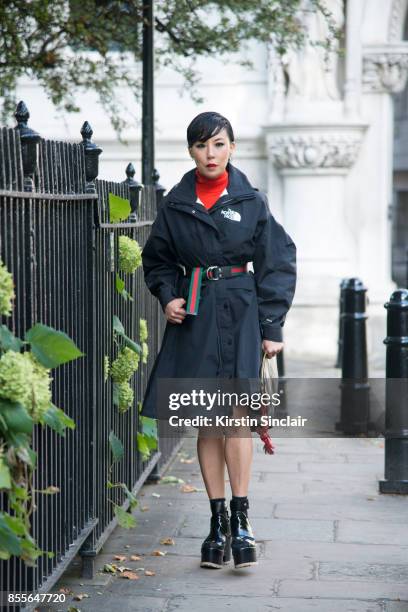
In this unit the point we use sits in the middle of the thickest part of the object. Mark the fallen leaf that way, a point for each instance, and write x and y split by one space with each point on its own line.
158 553
73 609
120 557
190 460
135 558
127 545
80 597
186 488
110 568
65 590
155 494
171 480
130 575
149 573
167 541
144 508
122 569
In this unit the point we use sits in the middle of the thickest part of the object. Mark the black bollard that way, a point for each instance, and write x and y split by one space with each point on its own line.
396 395
355 400
341 311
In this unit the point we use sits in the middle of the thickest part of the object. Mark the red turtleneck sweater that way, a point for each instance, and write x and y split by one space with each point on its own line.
208 189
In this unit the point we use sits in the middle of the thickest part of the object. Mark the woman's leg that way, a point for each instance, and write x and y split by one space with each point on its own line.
210 451
238 457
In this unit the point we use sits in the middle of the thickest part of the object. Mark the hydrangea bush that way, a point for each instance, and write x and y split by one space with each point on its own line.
25 401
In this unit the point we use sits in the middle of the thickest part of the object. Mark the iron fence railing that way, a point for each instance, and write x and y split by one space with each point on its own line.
56 240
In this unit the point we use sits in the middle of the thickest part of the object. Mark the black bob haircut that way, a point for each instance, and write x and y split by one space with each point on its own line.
207 125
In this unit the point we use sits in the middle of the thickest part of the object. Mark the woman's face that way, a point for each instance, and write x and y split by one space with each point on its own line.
211 156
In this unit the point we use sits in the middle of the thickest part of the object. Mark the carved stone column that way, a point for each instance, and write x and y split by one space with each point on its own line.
313 162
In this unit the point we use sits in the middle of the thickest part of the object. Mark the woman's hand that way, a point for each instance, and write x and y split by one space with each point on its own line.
174 311
271 348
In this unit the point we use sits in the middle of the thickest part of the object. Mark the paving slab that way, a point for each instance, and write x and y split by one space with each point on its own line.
336 552
337 589
363 511
370 532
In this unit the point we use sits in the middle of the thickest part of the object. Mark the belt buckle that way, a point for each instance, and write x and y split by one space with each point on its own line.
212 276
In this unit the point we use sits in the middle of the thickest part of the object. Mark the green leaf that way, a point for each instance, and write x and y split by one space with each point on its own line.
5 480
15 523
57 419
117 326
51 347
116 447
142 446
120 288
8 341
129 495
125 519
16 417
151 442
9 542
149 426
119 208
119 283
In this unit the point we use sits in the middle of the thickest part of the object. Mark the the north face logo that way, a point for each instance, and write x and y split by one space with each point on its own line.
233 215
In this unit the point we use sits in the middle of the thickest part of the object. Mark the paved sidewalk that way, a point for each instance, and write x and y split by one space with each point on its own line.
327 541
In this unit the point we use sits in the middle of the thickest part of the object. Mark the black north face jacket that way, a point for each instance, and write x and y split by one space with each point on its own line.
224 339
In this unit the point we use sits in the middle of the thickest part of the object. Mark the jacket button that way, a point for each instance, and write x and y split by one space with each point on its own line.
194 212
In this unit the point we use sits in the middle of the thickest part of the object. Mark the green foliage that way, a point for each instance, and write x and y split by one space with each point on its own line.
145 352
119 208
125 396
6 290
143 333
50 41
25 400
125 365
130 254
8 341
125 519
119 330
116 447
51 347
120 288
58 420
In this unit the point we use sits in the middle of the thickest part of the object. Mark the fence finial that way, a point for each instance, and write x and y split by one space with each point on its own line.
158 188
92 152
134 191
29 145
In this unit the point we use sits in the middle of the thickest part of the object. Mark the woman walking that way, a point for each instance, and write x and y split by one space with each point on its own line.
220 315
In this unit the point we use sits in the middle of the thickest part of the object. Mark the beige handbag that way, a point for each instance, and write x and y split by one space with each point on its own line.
269 378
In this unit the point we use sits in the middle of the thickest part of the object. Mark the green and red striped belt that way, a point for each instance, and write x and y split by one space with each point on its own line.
212 273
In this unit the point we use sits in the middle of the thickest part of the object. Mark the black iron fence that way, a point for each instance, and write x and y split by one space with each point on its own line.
57 241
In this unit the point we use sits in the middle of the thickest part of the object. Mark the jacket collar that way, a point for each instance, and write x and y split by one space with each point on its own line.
185 190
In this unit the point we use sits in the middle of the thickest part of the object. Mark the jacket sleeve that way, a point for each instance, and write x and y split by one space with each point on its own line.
160 261
275 273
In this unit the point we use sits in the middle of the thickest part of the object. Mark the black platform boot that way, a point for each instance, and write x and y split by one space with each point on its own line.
243 544
216 548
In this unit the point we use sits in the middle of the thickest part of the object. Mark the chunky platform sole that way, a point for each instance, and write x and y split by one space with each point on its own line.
216 557
244 557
